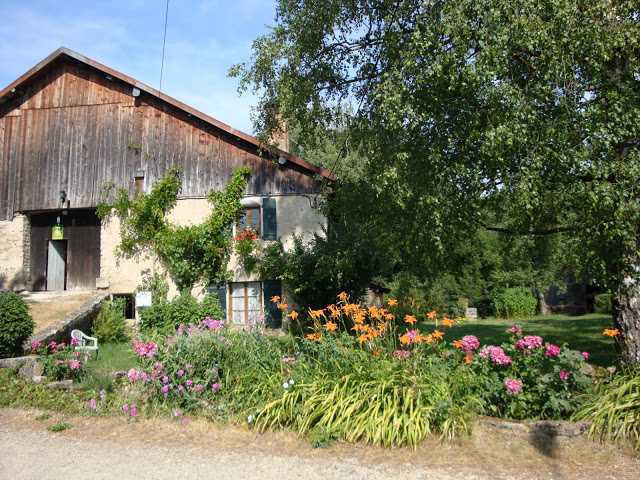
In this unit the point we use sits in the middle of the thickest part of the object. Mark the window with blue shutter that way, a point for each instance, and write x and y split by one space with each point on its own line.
269 220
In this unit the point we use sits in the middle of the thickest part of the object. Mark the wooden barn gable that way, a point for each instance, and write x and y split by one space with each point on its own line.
72 124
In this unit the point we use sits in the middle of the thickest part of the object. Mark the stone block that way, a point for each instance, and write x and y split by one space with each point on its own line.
32 369
472 314
102 283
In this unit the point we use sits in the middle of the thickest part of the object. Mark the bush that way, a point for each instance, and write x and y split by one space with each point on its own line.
210 307
182 310
110 325
16 325
602 303
514 303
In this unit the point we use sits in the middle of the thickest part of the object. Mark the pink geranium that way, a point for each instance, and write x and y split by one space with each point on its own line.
513 386
552 350
585 355
496 355
564 376
470 342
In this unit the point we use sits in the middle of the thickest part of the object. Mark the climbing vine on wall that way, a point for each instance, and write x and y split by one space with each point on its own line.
192 253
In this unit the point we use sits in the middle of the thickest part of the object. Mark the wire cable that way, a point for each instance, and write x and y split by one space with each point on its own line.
164 42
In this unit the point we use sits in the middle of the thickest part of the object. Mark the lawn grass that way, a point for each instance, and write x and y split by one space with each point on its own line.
582 333
114 357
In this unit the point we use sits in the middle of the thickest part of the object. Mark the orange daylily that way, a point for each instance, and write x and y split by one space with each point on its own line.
467 360
611 333
447 322
457 344
293 315
275 299
330 326
431 315
342 296
438 334
392 302
410 319
313 336
283 306
362 338
315 313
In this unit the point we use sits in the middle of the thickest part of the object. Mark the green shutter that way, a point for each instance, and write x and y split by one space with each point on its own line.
269 221
220 289
272 314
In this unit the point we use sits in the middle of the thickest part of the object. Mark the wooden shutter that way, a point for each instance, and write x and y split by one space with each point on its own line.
272 314
269 221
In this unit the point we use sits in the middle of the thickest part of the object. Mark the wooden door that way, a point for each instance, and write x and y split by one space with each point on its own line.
56 265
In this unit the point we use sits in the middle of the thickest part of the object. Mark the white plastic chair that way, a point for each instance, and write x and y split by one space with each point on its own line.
82 339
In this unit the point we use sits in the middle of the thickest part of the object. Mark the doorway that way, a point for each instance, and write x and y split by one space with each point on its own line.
57 265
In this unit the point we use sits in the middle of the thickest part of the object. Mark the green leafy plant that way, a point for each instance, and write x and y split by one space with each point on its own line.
189 254
44 416
16 325
614 408
110 324
513 303
602 303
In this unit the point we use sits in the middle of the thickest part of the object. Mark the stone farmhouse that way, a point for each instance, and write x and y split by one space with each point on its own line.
70 124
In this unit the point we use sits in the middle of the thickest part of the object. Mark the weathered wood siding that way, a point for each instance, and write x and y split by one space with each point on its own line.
76 129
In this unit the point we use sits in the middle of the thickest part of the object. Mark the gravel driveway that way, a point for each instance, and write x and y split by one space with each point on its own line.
99 448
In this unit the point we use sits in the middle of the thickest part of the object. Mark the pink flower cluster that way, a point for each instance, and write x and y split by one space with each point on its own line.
291 360
135 375
470 342
133 411
552 350
144 350
513 386
496 354
529 342
515 330
401 354
410 337
564 376
74 364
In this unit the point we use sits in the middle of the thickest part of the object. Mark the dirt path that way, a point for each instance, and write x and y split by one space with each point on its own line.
108 448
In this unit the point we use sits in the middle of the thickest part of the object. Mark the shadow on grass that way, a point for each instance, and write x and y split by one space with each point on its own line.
578 333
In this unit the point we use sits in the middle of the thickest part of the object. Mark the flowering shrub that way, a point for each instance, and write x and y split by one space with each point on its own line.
61 360
245 243
527 378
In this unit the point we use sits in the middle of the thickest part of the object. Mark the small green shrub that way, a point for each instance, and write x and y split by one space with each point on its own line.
110 325
602 303
16 325
59 427
44 416
182 310
210 307
513 303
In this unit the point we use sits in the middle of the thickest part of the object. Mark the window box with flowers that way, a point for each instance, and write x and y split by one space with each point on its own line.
245 244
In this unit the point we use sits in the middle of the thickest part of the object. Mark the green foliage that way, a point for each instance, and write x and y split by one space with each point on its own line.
114 357
188 253
59 426
182 310
156 283
467 119
110 324
513 303
16 325
614 408
602 303
44 416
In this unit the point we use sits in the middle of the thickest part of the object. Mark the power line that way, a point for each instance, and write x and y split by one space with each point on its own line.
164 41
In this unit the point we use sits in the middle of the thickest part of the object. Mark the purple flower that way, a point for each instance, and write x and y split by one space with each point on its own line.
198 387
165 389
215 387
180 373
189 383
125 408
134 411
165 379
180 388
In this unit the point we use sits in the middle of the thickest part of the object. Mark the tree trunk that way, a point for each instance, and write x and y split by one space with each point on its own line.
542 305
626 318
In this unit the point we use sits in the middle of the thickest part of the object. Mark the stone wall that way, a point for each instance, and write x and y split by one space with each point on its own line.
81 319
14 268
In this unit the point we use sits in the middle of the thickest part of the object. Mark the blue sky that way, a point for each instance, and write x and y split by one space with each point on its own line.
204 39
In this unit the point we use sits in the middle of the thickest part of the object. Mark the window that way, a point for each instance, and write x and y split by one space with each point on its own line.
249 219
246 301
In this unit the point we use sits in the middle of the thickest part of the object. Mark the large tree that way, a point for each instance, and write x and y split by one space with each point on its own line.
520 116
